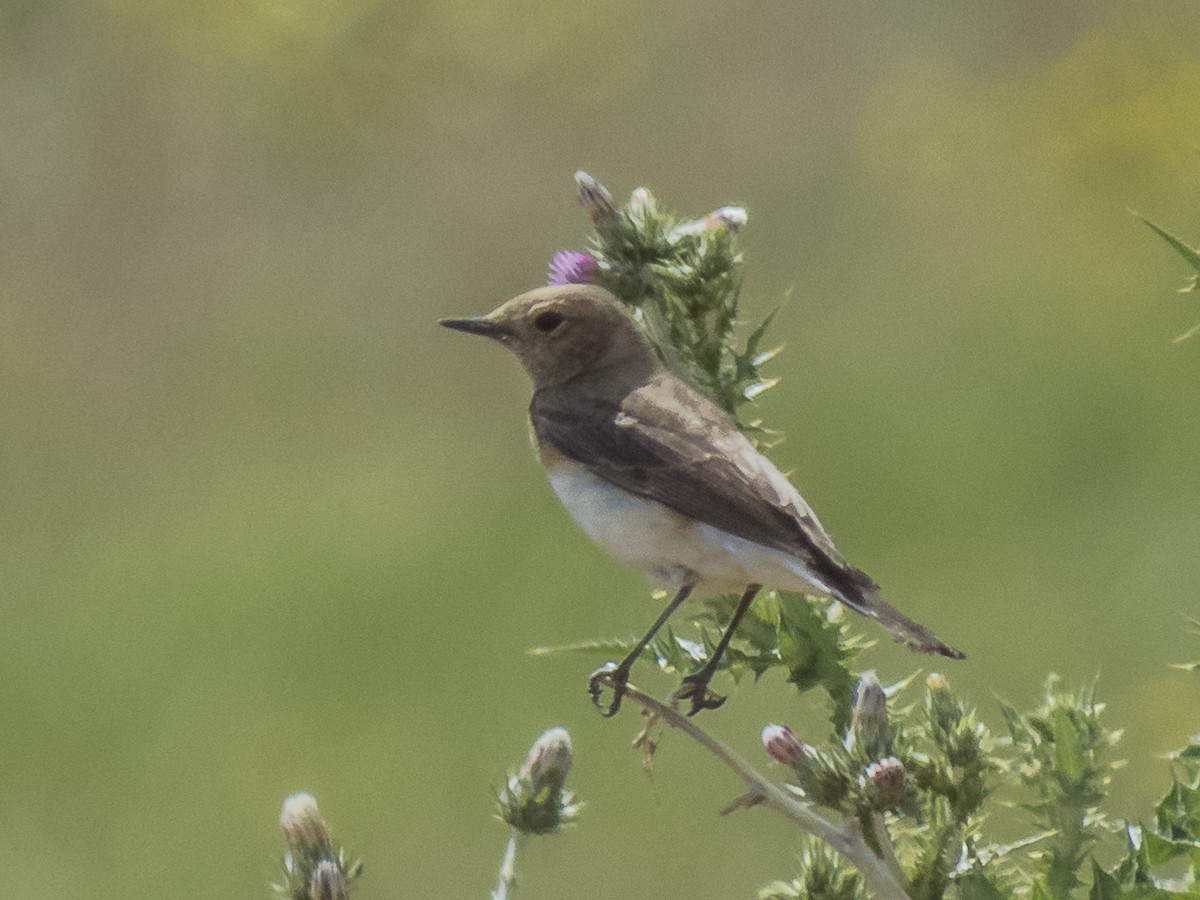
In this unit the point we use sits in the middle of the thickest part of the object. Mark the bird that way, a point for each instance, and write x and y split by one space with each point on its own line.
660 477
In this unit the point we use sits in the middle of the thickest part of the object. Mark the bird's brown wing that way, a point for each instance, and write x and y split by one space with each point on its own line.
667 442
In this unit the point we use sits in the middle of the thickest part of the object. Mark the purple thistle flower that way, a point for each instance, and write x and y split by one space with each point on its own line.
572 267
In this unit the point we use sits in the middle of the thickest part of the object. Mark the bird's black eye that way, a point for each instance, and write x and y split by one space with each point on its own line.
548 321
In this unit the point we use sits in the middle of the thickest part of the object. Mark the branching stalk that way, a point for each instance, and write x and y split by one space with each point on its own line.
848 841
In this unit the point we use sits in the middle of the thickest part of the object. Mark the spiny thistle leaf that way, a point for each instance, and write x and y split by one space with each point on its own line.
976 885
816 649
783 630
804 637
824 875
598 646
1062 750
1191 255
1177 815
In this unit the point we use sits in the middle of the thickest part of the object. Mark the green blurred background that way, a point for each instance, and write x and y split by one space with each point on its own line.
267 528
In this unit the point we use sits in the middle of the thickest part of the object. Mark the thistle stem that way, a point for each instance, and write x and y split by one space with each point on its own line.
760 792
507 885
884 840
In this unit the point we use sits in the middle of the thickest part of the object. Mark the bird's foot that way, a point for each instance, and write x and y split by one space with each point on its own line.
695 688
614 676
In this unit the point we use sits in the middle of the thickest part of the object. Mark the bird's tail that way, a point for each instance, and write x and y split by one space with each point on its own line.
865 599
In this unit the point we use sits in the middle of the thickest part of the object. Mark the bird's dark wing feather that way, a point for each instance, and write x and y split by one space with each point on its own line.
667 442
671 445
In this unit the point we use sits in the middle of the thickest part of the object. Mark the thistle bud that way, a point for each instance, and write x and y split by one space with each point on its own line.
302 825
573 267
885 782
732 217
642 203
727 218
596 200
783 746
943 711
549 760
314 867
869 718
534 801
327 882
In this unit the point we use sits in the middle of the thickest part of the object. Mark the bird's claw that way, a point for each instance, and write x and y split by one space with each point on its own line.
695 688
615 677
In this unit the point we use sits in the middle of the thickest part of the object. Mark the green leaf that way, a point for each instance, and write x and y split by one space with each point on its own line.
1104 886
1160 849
1189 253
823 876
999 851
675 654
1067 748
812 649
1178 813
977 886
779 890
598 647
1179 339
766 356
760 331
1061 750
759 387
667 651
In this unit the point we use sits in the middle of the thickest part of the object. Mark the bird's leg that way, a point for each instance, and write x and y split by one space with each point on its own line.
618 673
695 686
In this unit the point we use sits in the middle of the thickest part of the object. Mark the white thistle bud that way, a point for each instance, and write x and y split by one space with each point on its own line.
869 717
728 218
642 202
549 760
301 823
732 217
595 199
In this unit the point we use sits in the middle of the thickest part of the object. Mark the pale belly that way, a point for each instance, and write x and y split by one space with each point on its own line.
670 548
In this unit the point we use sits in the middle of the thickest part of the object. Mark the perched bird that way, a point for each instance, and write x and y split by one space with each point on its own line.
658 475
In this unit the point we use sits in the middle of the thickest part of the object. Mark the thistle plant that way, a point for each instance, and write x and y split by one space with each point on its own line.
314 865
535 801
894 793
895 801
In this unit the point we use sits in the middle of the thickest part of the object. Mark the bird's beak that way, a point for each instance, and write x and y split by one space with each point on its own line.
484 325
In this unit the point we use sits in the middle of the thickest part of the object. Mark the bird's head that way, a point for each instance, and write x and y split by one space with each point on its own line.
561 331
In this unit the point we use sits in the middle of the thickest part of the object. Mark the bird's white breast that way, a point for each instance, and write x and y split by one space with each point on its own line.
671 548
